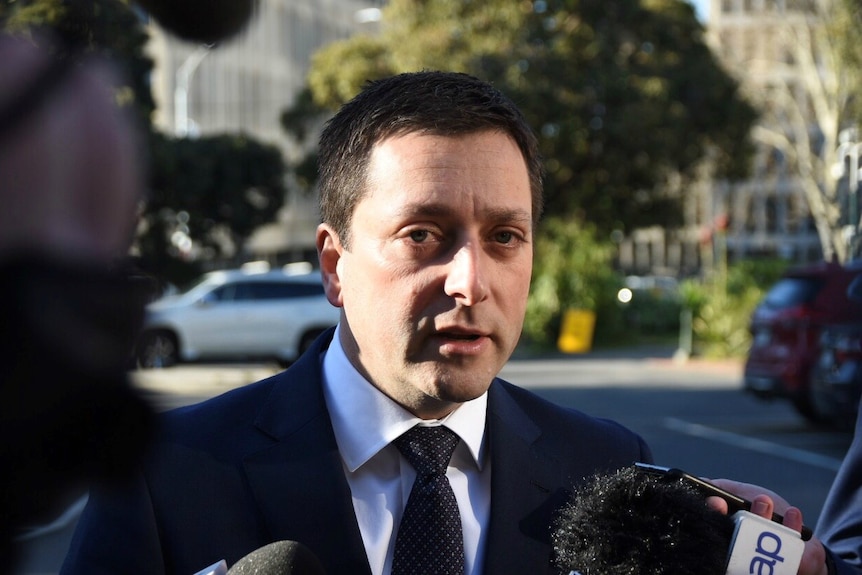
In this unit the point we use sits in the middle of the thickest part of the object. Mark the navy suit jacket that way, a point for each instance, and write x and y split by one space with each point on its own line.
260 464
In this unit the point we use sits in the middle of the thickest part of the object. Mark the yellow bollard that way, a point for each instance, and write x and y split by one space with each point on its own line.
576 332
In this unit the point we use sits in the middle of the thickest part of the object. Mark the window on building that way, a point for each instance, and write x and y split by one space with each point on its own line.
774 162
797 213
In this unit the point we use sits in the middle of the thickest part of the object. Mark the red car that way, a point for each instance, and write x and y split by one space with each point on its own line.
786 328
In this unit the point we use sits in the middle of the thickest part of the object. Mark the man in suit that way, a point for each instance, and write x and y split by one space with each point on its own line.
430 191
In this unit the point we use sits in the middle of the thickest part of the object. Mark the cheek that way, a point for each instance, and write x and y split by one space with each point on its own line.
368 289
514 283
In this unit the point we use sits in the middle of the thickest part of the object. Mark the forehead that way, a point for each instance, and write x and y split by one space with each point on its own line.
444 171
432 157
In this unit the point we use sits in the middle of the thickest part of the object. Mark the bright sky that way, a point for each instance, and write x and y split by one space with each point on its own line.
702 9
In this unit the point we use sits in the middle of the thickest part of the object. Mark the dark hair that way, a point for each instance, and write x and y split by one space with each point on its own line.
633 523
437 103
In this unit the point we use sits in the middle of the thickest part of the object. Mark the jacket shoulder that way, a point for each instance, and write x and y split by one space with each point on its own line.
568 432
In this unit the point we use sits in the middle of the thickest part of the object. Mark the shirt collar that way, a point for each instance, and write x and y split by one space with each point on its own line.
365 420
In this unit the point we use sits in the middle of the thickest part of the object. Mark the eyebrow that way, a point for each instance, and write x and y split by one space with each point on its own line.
496 214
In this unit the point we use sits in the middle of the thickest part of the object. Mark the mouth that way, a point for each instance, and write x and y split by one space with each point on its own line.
461 341
459 336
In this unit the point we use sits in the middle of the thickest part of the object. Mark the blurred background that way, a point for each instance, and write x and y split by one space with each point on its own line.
702 200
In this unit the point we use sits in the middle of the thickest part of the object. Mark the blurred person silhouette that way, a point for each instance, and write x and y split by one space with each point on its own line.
70 183
71 179
840 523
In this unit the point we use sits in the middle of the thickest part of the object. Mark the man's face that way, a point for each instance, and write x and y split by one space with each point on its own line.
434 284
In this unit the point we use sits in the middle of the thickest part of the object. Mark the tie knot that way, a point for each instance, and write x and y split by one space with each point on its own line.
428 449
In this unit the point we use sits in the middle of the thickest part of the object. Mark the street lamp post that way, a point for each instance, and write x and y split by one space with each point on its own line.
181 88
849 150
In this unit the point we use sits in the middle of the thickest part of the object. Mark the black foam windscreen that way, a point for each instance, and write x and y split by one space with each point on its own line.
633 523
203 21
279 558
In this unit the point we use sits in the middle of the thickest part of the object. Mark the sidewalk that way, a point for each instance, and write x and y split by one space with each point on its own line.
210 379
660 355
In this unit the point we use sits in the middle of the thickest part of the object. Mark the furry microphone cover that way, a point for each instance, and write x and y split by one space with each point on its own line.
634 523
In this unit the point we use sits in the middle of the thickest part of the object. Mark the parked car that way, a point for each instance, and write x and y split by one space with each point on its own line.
237 314
836 380
786 330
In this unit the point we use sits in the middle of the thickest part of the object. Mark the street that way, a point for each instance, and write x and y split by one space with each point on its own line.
693 415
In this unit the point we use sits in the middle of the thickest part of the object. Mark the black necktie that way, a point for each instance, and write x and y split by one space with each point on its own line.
429 540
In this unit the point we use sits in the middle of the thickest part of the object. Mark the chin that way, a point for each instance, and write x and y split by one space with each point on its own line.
460 391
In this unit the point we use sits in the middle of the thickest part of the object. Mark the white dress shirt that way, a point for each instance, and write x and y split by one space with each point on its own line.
366 422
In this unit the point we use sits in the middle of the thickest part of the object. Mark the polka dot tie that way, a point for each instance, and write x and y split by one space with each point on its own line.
429 540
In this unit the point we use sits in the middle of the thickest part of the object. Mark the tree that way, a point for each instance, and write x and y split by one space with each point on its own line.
626 97
808 99
574 271
212 191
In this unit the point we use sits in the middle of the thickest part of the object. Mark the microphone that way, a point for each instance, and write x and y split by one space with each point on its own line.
279 558
642 522
202 21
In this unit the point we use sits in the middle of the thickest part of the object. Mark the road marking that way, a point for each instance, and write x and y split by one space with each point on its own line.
753 444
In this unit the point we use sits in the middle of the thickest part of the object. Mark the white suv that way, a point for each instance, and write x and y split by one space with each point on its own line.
237 314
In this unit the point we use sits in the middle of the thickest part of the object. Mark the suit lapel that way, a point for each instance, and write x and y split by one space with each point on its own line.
302 494
298 483
525 490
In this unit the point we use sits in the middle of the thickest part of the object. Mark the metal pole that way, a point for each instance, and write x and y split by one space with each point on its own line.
853 183
850 149
181 89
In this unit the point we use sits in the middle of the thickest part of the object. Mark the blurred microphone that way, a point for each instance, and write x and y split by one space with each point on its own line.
638 524
203 21
279 558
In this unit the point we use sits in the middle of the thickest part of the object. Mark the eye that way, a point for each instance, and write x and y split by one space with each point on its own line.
419 236
504 237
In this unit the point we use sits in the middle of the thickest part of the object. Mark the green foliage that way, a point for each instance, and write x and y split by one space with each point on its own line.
227 184
722 305
652 315
362 58
625 94
215 189
572 270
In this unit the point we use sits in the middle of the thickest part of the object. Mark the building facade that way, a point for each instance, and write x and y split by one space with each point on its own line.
768 214
244 84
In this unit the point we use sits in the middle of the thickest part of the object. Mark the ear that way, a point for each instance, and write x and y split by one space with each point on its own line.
329 252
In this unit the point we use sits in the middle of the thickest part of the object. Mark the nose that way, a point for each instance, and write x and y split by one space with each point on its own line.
466 278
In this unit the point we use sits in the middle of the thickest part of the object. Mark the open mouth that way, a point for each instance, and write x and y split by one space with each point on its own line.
460 336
